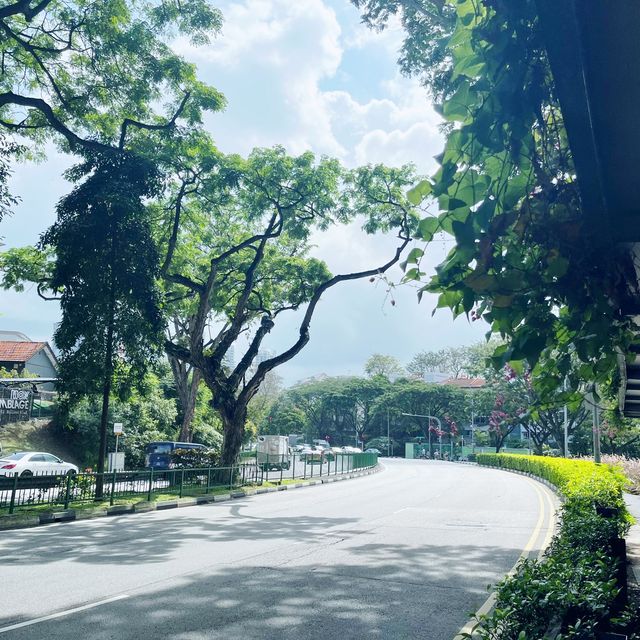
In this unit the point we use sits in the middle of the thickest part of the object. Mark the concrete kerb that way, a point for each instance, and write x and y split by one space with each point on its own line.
22 521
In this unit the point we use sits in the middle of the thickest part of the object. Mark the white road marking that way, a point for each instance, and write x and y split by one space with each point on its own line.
53 616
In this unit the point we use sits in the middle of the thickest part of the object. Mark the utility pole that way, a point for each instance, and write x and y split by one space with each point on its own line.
388 439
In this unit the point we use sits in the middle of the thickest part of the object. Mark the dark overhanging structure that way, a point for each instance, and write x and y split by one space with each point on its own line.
594 53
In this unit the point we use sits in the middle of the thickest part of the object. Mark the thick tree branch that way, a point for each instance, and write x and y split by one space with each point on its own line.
23 7
267 365
55 123
127 122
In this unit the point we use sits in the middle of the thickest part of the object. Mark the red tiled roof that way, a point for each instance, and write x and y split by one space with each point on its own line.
19 351
465 383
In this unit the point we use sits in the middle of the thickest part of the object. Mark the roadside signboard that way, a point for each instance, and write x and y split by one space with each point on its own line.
117 428
15 405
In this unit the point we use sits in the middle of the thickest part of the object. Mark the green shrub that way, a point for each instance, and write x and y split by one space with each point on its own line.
194 458
574 586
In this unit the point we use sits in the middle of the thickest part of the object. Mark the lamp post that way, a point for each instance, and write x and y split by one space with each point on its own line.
388 439
420 415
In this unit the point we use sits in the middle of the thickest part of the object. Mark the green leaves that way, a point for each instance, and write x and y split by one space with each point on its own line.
460 106
428 227
418 193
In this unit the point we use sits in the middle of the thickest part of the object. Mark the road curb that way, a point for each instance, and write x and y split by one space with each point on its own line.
20 521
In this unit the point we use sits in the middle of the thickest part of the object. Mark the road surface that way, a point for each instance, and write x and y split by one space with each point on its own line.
405 553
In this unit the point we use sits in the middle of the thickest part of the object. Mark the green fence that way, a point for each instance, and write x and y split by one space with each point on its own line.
75 489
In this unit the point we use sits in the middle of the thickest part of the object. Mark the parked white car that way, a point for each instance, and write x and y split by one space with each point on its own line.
34 463
351 450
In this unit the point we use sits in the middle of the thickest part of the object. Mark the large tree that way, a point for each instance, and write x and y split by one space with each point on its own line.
254 263
105 274
99 76
383 365
90 72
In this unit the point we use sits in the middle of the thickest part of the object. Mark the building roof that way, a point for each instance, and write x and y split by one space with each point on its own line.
465 383
11 351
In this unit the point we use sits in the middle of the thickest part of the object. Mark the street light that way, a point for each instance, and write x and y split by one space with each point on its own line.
388 440
420 415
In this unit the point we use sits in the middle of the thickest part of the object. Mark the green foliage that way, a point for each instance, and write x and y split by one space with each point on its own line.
523 259
147 415
574 585
382 365
25 264
428 25
105 269
7 150
89 72
581 482
195 458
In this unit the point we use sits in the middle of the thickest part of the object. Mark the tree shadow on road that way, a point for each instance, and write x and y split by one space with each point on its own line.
412 594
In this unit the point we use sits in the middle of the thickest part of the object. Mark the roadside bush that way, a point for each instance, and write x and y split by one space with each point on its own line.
571 592
194 458
630 468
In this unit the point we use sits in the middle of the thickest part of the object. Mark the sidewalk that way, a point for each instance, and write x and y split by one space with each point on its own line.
633 537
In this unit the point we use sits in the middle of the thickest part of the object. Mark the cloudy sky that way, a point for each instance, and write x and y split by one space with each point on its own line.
306 75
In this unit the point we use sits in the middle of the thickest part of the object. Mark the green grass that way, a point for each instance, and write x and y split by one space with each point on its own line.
31 436
138 498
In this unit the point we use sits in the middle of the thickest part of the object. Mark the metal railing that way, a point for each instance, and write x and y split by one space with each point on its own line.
77 488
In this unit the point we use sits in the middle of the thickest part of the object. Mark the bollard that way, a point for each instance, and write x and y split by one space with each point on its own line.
149 494
13 492
68 491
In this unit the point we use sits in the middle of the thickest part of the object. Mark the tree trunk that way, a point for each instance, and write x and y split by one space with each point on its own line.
102 451
233 426
187 379
108 375
189 406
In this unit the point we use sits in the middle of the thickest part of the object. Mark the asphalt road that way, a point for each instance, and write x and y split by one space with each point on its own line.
405 553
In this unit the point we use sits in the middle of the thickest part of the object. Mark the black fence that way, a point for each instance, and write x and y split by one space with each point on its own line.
77 488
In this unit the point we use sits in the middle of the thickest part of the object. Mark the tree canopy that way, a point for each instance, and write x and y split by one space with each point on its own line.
93 71
524 259
239 251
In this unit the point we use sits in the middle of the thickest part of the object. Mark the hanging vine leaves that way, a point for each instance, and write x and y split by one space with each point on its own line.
524 259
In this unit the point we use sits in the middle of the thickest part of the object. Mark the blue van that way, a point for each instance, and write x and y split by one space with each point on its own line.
158 454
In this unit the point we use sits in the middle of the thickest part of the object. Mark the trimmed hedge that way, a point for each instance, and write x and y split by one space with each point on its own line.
581 482
573 591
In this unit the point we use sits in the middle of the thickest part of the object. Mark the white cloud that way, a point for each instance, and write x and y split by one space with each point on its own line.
399 146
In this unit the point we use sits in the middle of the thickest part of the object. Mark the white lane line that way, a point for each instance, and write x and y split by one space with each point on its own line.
84 607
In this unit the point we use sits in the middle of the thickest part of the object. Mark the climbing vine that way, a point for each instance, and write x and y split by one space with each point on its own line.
524 258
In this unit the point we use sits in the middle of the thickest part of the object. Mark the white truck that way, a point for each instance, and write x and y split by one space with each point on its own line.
273 453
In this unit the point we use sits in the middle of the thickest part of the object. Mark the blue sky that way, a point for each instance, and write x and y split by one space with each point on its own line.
306 75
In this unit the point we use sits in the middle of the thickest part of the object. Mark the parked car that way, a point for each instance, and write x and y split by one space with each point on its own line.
311 455
373 450
35 463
